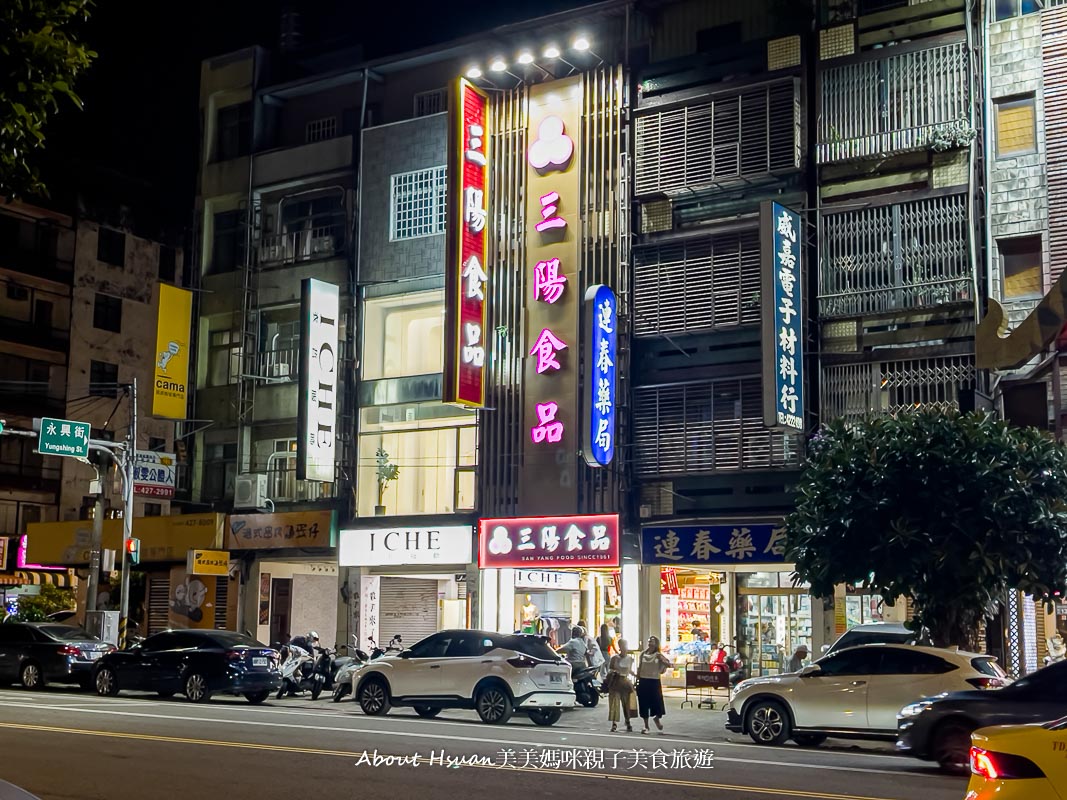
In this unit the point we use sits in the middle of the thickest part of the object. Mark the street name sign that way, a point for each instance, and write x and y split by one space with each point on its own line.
63 437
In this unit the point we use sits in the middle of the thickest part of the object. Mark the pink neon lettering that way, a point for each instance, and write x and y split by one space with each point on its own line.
548 428
548 209
548 283
548 344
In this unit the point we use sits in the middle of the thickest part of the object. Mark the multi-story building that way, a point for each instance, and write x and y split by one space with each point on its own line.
36 268
720 126
81 294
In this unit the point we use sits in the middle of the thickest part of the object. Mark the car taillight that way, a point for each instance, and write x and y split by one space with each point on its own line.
234 655
69 650
523 662
986 683
1002 766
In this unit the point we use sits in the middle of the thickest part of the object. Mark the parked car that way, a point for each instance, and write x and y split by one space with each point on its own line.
197 663
876 633
1019 762
35 653
854 693
939 728
495 674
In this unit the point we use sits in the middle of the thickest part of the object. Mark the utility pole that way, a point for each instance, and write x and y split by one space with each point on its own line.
127 514
95 544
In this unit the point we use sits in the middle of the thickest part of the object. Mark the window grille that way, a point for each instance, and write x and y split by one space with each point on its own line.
433 102
320 130
905 255
892 387
750 133
712 426
698 284
417 204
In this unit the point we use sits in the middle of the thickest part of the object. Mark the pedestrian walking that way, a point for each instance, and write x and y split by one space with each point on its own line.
649 687
622 703
796 662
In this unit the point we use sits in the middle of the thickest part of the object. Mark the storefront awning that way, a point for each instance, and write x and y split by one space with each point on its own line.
37 577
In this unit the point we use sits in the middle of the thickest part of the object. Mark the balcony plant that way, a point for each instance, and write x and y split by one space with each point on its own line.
387 473
952 136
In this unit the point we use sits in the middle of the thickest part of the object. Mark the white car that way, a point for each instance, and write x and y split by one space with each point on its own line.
854 693
493 673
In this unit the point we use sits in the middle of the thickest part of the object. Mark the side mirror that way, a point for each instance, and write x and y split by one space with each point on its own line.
808 671
825 648
405 654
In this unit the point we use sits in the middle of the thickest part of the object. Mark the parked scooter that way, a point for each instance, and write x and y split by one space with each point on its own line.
736 667
299 673
586 690
346 668
396 644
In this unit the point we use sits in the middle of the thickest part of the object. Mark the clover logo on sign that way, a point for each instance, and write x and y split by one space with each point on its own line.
553 148
500 543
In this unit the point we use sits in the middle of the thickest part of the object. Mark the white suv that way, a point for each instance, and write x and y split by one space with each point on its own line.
854 693
493 673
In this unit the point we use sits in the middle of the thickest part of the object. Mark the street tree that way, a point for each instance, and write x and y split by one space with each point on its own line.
950 510
40 58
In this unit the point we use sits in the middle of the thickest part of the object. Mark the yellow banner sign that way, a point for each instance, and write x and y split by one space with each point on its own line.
68 544
169 388
208 562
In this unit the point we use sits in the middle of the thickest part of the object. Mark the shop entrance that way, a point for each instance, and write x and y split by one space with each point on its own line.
281 605
771 624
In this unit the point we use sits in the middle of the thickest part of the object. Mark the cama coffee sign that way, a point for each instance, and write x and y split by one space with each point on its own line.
387 547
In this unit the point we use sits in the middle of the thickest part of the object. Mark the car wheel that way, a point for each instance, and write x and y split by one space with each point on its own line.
31 676
809 739
255 698
545 716
767 723
952 746
493 705
196 688
374 698
106 684
427 712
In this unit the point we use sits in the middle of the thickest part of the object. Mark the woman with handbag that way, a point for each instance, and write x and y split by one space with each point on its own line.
621 700
649 688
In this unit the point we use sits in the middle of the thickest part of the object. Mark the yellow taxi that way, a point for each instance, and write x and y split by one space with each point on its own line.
1019 762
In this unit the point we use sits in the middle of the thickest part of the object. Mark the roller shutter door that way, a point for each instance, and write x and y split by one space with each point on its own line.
408 608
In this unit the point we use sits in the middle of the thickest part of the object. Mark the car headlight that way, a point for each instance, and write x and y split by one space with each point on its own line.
914 709
738 689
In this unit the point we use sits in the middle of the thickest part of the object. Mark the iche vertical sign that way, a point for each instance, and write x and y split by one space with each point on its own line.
781 246
169 388
553 297
466 270
319 313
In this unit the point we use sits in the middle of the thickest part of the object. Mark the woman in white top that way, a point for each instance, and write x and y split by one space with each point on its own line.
621 688
649 689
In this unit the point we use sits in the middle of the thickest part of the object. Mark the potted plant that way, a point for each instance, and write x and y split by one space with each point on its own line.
386 472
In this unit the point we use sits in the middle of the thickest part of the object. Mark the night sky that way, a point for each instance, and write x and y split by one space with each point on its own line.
140 118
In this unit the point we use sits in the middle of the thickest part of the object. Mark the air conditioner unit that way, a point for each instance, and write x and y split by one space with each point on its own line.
322 244
645 511
250 491
279 370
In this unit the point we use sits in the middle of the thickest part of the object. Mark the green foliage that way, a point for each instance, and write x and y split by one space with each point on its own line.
949 510
40 59
37 608
386 472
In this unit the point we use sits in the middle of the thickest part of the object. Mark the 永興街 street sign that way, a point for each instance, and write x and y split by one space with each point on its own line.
63 437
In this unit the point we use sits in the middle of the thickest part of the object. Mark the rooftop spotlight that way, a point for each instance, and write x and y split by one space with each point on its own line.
525 57
498 65
551 51
474 72
580 43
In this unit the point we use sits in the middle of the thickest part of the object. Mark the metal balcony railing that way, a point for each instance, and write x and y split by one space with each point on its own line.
894 387
893 257
279 366
283 486
891 100
322 241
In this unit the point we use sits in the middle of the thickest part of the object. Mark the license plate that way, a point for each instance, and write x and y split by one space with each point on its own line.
555 677
94 654
259 662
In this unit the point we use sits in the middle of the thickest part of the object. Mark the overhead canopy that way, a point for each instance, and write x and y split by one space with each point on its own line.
37 577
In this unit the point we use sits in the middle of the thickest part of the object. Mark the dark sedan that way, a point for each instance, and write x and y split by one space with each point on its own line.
939 728
196 663
35 653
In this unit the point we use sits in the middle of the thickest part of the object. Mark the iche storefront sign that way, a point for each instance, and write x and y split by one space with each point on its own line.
467 269
388 547
545 542
317 420
542 579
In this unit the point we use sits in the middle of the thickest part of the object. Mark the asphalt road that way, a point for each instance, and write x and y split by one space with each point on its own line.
60 743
